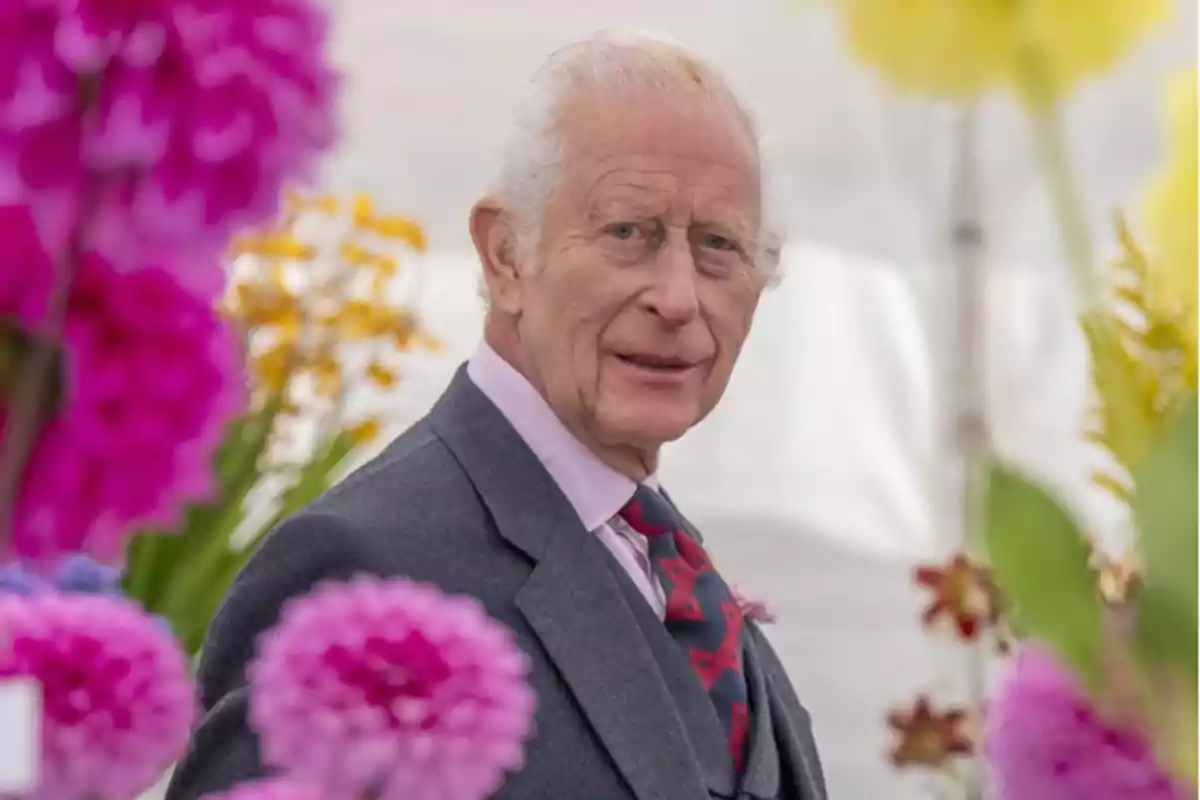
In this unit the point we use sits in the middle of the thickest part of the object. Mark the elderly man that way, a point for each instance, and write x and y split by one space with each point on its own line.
623 253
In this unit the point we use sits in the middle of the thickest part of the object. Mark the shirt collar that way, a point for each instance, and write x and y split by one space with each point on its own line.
595 490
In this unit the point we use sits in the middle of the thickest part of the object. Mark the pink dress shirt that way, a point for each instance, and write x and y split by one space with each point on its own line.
596 491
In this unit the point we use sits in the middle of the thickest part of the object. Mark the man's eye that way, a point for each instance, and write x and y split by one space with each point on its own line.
715 241
623 230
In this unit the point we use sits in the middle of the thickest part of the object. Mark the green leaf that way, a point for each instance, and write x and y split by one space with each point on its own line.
161 566
1164 507
1127 430
201 594
209 561
1041 563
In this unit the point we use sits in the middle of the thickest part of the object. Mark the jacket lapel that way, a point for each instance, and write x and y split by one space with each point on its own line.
797 750
572 601
703 728
760 780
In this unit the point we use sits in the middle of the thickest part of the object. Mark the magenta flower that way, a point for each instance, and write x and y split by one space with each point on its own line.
153 375
187 117
268 789
390 689
117 700
1046 741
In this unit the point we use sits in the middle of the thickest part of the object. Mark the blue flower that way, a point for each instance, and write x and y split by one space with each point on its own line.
16 580
78 573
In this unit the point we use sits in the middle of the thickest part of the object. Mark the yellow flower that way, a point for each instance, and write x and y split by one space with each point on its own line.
365 431
354 253
1169 209
396 227
360 319
959 48
383 375
1076 39
276 244
300 305
265 305
326 204
385 267
950 47
362 210
274 366
428 341
326 373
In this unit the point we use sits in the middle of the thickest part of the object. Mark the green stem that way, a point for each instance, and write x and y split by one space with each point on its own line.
1068 207
1112 376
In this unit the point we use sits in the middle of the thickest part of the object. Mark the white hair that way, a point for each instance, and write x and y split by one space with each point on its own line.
533 155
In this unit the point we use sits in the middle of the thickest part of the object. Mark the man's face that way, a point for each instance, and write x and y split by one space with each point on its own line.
646 279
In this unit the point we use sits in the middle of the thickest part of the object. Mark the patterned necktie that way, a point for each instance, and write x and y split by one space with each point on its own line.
702 615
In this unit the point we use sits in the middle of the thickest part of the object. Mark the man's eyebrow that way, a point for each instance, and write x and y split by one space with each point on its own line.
727 226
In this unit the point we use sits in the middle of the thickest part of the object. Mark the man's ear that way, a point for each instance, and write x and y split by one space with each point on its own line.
495 242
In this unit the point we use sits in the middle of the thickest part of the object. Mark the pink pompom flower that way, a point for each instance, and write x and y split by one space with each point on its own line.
392 690
152 378
268 789
117 699
185 117
1045 740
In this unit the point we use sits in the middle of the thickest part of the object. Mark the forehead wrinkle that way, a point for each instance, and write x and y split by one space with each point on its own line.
628 189
661 192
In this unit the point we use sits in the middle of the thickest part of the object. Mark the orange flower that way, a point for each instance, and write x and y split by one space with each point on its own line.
963 592
928 738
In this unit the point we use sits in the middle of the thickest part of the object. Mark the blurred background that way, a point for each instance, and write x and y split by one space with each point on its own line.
817 479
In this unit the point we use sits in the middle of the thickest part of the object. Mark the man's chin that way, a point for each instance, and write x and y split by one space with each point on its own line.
648 426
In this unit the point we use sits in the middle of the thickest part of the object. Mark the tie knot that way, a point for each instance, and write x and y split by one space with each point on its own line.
648 513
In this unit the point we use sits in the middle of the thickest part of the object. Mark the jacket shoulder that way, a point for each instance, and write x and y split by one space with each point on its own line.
415 480
400 513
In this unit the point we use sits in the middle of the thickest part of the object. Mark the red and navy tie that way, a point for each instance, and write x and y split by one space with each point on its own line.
702 615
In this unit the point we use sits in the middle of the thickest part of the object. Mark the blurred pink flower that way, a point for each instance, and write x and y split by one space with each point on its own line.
392 689
268 789
197 112
117 697
153 375
1044 740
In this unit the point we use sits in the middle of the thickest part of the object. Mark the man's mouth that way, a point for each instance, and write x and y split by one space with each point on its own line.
656 362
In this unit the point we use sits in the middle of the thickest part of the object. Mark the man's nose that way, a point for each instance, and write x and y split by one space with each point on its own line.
673 293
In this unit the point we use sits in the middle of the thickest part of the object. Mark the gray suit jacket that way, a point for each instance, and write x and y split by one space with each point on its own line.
458 500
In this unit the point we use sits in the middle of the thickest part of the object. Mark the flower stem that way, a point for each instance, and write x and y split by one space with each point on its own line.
1112 377
970 433
26 411
1072 222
